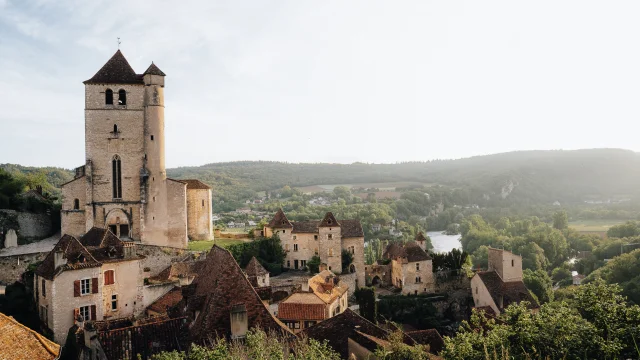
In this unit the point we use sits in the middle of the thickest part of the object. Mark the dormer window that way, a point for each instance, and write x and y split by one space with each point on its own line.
108 97
81 258
122 97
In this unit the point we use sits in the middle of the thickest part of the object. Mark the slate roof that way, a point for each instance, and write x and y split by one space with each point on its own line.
193 184
305 227
153 70
116 71
338 329
96 247
511 292
302 306
329 220
351 228
280 221
166 301
220 286
429 337
254 268
411 251
18 342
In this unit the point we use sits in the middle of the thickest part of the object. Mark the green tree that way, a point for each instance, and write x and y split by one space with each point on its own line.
398 350
342 192
313 264
347 259
366 298
560 220
626 230
539 283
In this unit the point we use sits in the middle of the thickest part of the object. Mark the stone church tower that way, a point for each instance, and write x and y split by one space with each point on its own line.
123 185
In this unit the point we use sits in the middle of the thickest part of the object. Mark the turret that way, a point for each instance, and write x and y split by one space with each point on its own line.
154 121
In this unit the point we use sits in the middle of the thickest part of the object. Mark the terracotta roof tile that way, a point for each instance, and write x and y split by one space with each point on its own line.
116 71
168 300
193 184
327 291
305 227
18 342
351 228
76 255
302 306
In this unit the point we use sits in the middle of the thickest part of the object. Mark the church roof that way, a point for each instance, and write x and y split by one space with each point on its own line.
116 71
153 70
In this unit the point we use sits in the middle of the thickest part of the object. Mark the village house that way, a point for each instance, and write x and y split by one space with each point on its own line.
411 267
222 302
325 297
123 185
18 342
256 273
326 239
501 285
98 277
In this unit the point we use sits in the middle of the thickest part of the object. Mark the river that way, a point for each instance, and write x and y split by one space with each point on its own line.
444 243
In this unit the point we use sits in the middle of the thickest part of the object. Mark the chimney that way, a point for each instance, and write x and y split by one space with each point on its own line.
304 287
58 259
129 250
323 267
90 333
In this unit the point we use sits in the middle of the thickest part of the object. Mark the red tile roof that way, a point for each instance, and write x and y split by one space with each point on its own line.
168 300
301 311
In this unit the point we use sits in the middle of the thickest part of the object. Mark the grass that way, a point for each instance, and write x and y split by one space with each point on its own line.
207 245
596 225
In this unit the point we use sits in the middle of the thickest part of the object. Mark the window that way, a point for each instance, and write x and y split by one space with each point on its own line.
418 280
116 177
115 129
315 237
202 203
309 323
284 231
151 137
417 266
288 263
108 97
122 97
85 286
85 311
303 263
297 325
330 236
295 247
76 204
44 314
315 251
512 262
109 277
44 288
114 302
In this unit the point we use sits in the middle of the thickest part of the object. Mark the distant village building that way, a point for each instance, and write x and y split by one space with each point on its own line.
501 285
123 184
376 227
577 279
98 277
325 238
326 297
18 342
411 267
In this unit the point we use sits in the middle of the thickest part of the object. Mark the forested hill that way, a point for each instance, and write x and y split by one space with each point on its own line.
526 176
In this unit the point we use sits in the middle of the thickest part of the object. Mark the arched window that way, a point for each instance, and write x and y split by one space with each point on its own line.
122 97
116 177
76 204
108 97
115 128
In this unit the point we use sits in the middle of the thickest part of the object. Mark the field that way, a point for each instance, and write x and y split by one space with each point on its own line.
383 186
597 225
207 245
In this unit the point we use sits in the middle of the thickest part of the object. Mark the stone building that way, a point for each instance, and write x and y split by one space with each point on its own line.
123 184
411 267
98 276
256 273
326 297
325 238
501 285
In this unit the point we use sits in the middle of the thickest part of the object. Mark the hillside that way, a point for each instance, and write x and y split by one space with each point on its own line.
528 177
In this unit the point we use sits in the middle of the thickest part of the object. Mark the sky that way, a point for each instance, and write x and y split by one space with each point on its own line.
329 81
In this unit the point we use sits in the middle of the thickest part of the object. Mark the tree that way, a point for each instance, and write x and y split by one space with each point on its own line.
398 350
366 298
342 192
347 259
313 264
539 283
628 229
560 220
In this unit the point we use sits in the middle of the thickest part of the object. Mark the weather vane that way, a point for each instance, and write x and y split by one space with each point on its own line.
118 43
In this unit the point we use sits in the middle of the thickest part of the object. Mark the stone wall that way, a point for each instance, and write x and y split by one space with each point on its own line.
12 267
199 223
158 258
350 280
32 226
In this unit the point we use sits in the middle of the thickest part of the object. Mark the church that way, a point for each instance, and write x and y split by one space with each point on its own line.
123 184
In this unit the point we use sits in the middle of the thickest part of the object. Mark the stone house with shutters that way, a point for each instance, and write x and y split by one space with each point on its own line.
97 276
326 238
123 185
411 267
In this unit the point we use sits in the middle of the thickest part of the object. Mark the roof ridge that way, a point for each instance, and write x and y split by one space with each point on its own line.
44 341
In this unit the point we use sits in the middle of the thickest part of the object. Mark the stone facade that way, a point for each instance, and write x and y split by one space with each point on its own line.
123 184
199 203
32 226
506 264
